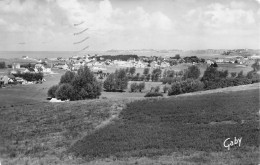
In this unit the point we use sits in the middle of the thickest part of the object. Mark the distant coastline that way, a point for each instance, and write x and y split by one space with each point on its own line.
142 52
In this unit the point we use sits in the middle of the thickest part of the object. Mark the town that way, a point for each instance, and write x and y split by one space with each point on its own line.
103 65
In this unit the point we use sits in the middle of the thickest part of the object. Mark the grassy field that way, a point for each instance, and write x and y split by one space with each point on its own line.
152 131
201 123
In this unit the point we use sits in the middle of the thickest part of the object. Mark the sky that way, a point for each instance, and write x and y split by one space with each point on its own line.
50 25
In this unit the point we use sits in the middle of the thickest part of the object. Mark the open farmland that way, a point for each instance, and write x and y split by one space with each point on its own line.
200 123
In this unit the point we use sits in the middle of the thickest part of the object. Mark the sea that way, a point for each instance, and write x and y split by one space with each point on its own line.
41 54
67 54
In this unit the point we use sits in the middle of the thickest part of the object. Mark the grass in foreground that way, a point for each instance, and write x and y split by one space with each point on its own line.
201 123
47 130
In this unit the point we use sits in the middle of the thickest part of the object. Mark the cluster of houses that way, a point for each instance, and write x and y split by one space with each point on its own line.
99 63
16 67
232 60
96 63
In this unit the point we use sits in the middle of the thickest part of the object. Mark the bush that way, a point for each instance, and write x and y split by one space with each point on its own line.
170 80
82 86
253 76
133 87
66 92
52 90
153 94
240 74
30 76
2 65
233 74
157 89
186 86
227 82
141 86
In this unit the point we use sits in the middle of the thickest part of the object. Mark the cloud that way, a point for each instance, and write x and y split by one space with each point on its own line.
105 17
222 18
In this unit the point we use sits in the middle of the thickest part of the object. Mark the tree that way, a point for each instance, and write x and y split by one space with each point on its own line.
240 74
132 70
141 86
85 81
233 74
210 74
156 74
83 85
177 56
214 65
256 65
133 87
146 71
121 79
52 90
110 83
67 77
193 72
65 92
2 65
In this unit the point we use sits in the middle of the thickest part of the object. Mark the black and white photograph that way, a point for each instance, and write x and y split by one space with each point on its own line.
129 82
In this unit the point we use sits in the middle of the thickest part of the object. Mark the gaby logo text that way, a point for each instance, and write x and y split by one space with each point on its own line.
229 142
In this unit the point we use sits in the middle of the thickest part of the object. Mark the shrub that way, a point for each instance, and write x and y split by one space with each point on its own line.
153 94
52 90
157 89
2 65
133 87
186 86
170 80
141 86
66 91
253 76
240 74
30 76
222 83
256 65
233 74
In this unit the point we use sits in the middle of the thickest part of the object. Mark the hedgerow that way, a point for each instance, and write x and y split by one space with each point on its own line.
185 86
153 94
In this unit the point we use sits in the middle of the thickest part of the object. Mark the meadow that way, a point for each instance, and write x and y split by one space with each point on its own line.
126 128
153 127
